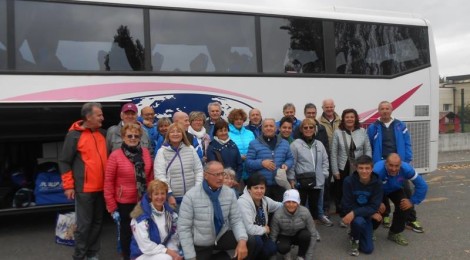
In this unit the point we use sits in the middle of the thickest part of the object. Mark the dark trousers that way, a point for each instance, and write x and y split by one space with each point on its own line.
275 192
412 216
302 239
311 196
226 242
399 216
125 228
338 187
89 209
362 230
260 247
326 193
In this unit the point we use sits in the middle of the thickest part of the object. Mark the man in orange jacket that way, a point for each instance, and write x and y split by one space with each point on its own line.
82 164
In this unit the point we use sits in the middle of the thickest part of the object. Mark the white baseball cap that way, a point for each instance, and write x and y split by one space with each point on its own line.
291 195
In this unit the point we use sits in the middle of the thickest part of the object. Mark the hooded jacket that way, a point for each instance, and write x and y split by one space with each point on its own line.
181 169
241 137
82 162
248 211
309 159
363 199
230 156
143 224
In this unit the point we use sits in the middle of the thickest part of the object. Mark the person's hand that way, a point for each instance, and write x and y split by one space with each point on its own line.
292 184
382 208
241 251
284 167
267 230
70 194
148 123
172 201
269 164
337 176
348 218
116 216
405 204
174 255
377 217
243 157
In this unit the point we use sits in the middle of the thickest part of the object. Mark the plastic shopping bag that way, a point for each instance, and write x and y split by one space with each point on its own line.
65 227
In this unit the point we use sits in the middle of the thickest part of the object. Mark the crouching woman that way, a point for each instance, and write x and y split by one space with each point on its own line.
293 224
154 226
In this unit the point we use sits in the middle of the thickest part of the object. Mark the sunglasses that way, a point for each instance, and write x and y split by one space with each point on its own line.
133 136
308 127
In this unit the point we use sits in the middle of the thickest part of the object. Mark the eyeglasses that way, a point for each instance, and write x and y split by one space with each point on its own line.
133 136
308 127
217 174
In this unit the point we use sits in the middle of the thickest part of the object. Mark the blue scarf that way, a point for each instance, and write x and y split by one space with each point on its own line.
214 197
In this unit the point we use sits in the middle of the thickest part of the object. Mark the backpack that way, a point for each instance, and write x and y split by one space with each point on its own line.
23 198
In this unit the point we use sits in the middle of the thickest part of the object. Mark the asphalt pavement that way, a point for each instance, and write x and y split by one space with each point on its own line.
444 215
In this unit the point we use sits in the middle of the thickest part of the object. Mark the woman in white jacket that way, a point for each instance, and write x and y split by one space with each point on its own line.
255 208
177 164
349 142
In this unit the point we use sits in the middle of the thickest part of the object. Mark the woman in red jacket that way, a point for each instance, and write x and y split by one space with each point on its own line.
128 172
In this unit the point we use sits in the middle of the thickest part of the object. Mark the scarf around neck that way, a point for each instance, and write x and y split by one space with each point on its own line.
222 142
134 154
214 197
198 134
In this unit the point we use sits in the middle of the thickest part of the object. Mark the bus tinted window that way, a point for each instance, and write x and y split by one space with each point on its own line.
292 45
375 49
62 37
202 42
3 34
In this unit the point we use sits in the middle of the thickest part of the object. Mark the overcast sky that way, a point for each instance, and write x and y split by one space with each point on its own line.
450 21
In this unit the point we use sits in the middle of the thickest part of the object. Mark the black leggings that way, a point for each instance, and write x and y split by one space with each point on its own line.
301 238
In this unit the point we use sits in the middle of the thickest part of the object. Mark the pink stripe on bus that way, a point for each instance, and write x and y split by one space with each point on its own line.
93 92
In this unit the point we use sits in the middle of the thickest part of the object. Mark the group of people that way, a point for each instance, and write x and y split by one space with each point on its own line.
197 188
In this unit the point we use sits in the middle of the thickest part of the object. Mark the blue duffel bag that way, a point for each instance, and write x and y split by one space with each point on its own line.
48 187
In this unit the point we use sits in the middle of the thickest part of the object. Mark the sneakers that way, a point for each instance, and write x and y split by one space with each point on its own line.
354 247
325 221
318 236
386 222
398 238
342 224
415 226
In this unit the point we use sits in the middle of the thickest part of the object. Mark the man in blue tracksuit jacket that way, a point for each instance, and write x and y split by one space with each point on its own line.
393 173
362 197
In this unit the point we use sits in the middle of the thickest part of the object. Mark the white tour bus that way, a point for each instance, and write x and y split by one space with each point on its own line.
181 55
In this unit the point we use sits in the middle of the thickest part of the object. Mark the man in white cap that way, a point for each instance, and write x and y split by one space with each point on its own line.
293 224
128 116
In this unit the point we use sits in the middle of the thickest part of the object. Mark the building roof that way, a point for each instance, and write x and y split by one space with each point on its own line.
449 114
458 78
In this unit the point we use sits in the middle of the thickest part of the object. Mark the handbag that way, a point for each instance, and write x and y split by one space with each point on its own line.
350 152
64 229
307 181
281 179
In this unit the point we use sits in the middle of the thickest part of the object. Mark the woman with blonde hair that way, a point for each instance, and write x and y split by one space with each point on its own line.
196 128
154 226
177 164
